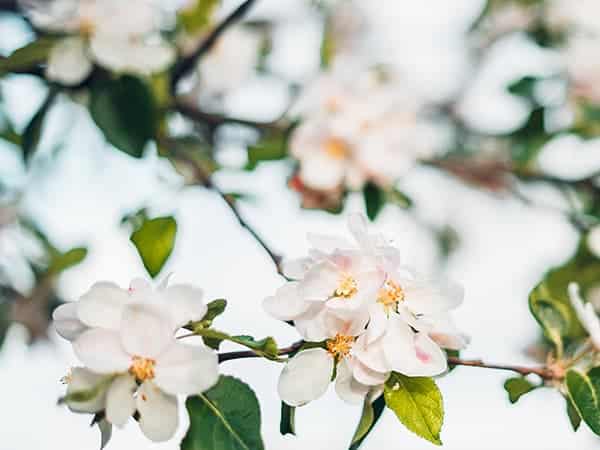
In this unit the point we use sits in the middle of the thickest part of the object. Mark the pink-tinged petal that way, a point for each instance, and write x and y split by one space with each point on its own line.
101 351
327 244
286 304
295 269
186 369
66 322
431 360
367 376
102 306
369 284
398 345
346 387
120 404
371 355
82 379
140 290
185 303
432 297
305 377
147 329
446 335
377 323
319 282
311 325
158 412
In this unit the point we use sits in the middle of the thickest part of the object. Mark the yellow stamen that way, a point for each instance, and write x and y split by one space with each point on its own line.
340 345
67 378
87 27
142 368
336 148
390 295
347 287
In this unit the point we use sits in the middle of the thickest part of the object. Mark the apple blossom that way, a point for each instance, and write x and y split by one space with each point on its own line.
103 32
586 314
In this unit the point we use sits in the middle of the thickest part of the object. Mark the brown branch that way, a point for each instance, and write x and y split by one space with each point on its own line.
186 65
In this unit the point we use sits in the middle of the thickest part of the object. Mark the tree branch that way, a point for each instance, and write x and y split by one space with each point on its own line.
228 356
9 6
186 65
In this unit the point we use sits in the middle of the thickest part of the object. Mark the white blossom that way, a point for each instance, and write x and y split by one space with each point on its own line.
586 314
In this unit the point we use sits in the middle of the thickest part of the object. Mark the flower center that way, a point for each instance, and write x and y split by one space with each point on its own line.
340 345
390 295
142 368
347 287
87 27
336 148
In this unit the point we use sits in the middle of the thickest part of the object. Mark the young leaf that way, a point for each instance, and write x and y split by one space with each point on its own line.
197 15
270 147
517 387
287 424
214 309
584 392
370 415
399 198
226 417
33 131
154 241
374 200
574 417
266 347
417 402
63 261
125 110
26 57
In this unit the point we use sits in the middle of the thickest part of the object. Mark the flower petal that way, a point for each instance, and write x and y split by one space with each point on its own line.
431 360
367 376
185 303
286 304
68 61
305 377
346 387
398 345
585 313
82 379
158 412
371 355
147 329
311 325
444 332
66 322
295 269
101 351
186 369
320 282
327 244
120 404
431 297
102 305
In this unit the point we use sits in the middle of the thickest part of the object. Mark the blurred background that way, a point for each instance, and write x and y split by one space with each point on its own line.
77 190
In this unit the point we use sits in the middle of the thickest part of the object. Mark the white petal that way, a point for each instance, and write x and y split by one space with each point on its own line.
185 303
101 351
158 412
102 306
431 360
147 329
186 369
295 269
585 313
305 377
367 376
398 344
319 282
82 379
286 304
446 335
140 290
66 322
311 325
377 323
318 171
593 241
68 61
346 387
327 244
431 297
371 355
120 404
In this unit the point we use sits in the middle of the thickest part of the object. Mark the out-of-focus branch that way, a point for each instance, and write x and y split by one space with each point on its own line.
186 65
9 5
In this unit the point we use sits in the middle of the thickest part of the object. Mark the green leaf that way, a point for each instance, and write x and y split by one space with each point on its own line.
417 402
62 261
197 15
287 424
398 198
154 241
27 57
524 87
85 395
226 417
105 428
584 392
214 309
371 413
574 417
125 110
271 147
549 301
517 387
33 131
374 200
266 347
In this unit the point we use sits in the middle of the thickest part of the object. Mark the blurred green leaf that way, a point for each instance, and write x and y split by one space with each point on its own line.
197 15
33 131
371 413
398 198
62 261
27 57
584 392
287 423
125 110
517 387
226 417
271 147
374 200
417 402
154 241
524 87
574 417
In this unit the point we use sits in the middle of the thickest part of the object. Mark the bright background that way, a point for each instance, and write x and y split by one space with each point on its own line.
80 194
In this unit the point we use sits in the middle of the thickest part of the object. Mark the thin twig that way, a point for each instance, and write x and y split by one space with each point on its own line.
186 65
228 356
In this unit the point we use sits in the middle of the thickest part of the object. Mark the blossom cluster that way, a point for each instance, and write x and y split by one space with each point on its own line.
363 315
132 360
101 32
